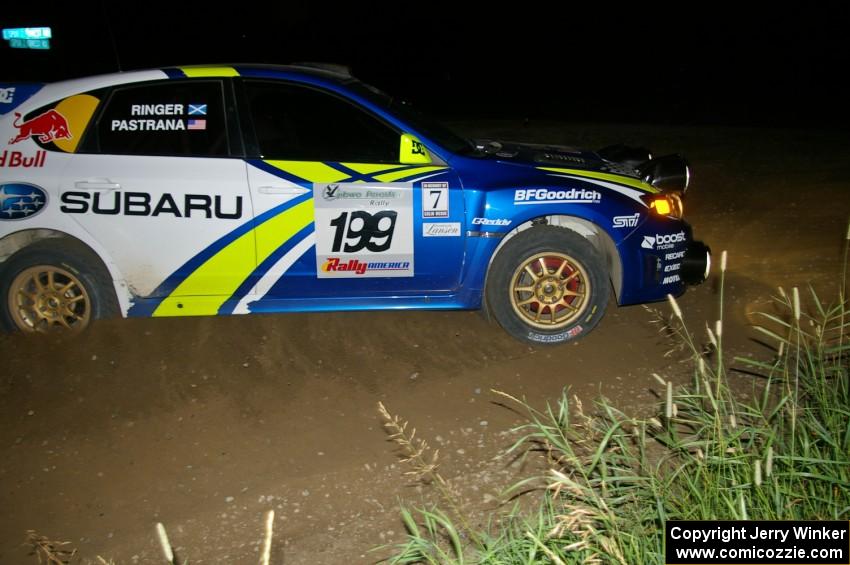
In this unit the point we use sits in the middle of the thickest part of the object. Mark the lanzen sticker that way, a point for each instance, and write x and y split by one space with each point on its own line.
363 230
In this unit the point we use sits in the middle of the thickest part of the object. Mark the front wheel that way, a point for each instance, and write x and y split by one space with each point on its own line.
547 285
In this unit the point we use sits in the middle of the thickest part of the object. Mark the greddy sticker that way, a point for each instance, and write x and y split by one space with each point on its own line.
364 230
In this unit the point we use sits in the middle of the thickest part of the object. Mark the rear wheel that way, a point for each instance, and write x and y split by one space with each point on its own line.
54 286
547 285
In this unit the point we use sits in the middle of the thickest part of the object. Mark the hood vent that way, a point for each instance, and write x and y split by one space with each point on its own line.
559 158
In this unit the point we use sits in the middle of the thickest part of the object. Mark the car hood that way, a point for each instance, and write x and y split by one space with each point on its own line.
537 155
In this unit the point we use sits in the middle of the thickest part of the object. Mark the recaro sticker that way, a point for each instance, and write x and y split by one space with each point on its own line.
363 230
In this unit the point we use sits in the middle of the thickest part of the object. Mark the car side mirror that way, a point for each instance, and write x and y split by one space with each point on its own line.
412 152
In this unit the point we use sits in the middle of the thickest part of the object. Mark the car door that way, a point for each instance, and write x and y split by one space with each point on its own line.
338 214
154 182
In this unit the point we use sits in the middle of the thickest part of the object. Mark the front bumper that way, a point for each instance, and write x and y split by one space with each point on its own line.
661 258
696 263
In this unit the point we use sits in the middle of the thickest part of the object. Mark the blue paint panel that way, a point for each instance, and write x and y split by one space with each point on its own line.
13 95
174 73
262 269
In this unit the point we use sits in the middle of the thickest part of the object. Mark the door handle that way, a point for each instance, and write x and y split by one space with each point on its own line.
96 184
289 190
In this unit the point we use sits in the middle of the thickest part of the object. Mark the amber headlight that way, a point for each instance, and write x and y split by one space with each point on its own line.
667 204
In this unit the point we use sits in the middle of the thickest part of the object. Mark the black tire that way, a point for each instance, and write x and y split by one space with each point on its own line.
81 292
547 285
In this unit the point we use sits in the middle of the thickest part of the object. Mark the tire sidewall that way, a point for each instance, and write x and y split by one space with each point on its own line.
531 242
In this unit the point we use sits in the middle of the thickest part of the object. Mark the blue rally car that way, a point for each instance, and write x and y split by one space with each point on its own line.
241 189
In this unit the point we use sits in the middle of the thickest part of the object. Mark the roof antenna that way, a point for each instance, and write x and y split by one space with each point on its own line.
111 36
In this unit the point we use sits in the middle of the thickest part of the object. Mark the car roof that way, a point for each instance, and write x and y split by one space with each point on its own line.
333 71
328 73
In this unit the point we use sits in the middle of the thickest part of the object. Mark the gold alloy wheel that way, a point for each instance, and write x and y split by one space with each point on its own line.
549 290
47 297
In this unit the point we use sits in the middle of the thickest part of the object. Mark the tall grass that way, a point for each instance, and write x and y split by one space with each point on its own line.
782 453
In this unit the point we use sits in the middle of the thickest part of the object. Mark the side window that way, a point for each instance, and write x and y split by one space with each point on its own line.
184 119
298 123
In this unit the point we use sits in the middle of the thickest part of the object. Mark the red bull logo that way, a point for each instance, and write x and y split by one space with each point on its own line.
45 127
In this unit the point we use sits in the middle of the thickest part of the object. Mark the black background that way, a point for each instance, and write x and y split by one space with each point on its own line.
685 63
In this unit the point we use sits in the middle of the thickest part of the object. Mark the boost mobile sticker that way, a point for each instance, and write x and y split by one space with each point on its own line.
363 230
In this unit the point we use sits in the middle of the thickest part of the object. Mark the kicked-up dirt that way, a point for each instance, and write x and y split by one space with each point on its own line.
204 424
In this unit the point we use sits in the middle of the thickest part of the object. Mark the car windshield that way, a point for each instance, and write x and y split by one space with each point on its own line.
422 123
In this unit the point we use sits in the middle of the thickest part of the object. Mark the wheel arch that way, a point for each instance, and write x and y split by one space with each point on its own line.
17 241
598 237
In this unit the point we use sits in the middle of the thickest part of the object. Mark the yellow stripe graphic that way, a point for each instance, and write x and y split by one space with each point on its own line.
312 171
369 168
78 110
277 231
209 286
390 177
209 71
634 183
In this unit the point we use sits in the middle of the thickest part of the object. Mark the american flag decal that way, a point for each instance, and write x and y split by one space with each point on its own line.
196 124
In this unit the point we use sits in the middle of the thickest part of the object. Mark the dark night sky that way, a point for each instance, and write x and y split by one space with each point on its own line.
707 65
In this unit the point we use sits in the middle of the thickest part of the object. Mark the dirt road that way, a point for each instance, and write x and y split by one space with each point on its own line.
203 424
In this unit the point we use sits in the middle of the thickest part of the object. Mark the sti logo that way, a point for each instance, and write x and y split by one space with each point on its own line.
626 221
